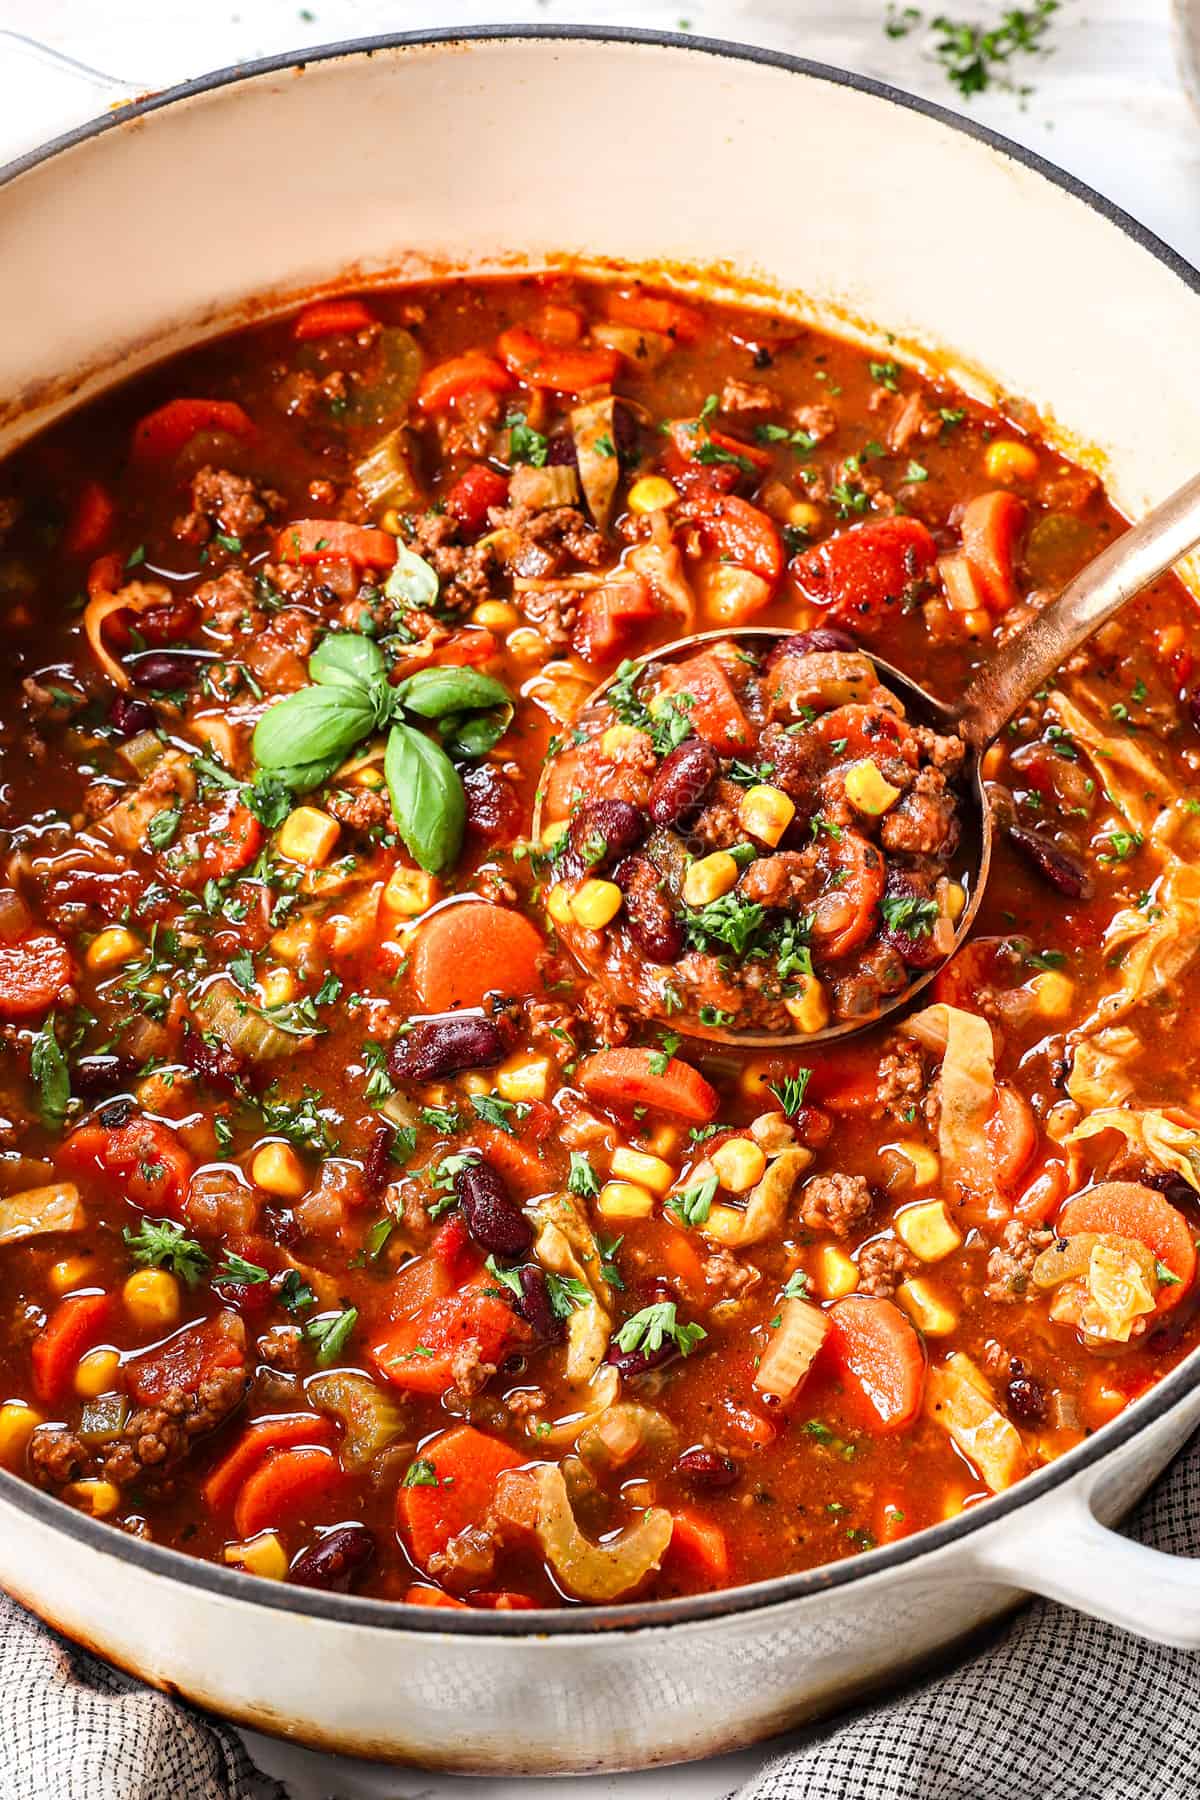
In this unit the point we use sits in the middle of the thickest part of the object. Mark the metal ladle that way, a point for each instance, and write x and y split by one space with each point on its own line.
1012 674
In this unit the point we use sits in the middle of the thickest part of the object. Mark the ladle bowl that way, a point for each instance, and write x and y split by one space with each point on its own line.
1009 677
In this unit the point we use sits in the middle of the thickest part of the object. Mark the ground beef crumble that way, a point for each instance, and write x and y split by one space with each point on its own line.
837 1203
1009 1264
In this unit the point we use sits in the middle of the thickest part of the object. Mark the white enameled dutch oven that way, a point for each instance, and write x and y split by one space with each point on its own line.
226 199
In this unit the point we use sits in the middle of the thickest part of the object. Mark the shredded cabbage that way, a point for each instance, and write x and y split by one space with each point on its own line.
1163 938
959 1398
766 1207
1134 783
968 1093
1166 1141
1098 1068
566 1244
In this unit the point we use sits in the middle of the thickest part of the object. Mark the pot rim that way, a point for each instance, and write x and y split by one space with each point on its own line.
391 1615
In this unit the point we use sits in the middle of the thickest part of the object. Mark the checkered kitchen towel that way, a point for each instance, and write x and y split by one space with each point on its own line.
1056 1707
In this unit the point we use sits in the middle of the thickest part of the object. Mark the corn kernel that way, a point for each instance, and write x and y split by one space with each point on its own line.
111 947
596 904
740 1164
651 494
956 900
834 1274
624 1200
96 1373
642 1169
527 645
496 615
263 1555
523 1078
709 878
558 904
409 892
804 516
618 738
928 1230
277 1169
100 1498
868 790
475 1083
1054 993
392 522
295 942
924 1162
926 1308
662 1141
1007 460
18 1423
808 1009
307 836
554 832
277 987
151 1298
977 623
725 1223
368 777
765 813
70 1273
954 1502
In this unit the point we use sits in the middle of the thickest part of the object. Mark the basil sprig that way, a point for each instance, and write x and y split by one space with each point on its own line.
304 738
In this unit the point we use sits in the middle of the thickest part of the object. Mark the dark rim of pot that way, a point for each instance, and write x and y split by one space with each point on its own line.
391 1615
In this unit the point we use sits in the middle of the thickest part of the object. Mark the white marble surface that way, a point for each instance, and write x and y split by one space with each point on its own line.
1108 105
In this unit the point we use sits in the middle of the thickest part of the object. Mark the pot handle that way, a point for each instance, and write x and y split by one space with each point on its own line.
55 91
1069 1556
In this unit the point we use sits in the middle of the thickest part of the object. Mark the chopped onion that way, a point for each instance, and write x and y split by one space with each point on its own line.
40 1210
15 916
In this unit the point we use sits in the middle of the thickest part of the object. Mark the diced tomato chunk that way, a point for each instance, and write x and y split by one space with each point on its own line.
185 1360
609 616
698 1551
164 433
655 312
476 490
34 970
144 1154
419 1353
737 532
869 571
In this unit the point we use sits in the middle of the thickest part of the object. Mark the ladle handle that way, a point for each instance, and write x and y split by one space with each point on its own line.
1022 665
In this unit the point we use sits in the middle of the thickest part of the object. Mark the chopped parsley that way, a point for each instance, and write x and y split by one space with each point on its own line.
329 1332
524 444
651 1328
582 1178
162 1244
790 1092
909 914
692 1205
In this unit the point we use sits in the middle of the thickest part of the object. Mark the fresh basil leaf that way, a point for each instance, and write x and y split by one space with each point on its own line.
432 693
428 803
412 582
301 778
347 659
472 735
48 1066
319 724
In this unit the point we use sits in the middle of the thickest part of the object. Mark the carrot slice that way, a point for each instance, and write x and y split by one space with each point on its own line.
92 520
715 713
991 524
284 1487
561 370
623 1079
699 1549
471 949
873 1343
462 1468
1012 1136
655 312
448 381
34 970
1126 1209
428 1596
163 433
317 540
327 318
73 1327
419 1353
256 1443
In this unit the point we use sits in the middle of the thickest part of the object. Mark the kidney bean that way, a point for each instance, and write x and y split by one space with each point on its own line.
440 1047
916 949
495 1222
1026 1397
1057 866
803 643
215 1063
165 669
560 451
630 1363
493 805
93 1074
1194 707
681 782
337 1560
377 1163
129 716
649 919
534 1305
707 1468
600 833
